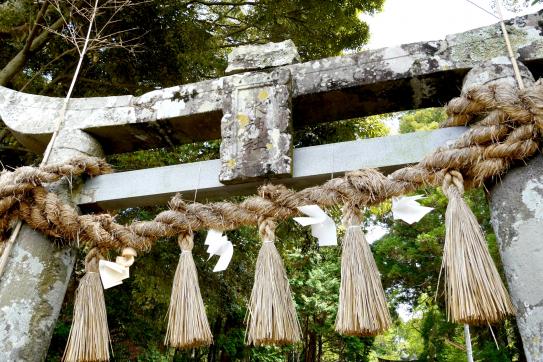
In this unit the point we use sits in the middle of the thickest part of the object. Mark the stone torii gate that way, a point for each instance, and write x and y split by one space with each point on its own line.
253 109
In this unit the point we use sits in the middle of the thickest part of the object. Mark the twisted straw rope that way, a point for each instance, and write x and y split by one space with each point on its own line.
506 124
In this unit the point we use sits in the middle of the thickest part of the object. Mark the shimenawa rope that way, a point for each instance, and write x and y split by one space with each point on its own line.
506 125
509 131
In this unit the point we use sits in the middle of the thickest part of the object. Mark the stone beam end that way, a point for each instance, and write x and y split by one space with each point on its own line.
258 57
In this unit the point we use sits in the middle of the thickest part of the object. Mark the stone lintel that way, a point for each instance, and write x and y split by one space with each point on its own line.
312 166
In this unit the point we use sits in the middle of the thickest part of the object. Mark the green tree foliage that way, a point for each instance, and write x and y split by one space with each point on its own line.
421 120
179 41
340 131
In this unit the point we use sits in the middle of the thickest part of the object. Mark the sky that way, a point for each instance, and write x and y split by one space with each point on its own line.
408 21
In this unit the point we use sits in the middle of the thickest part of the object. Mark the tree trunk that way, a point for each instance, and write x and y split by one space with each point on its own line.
213 350
311 348
319 351
17 62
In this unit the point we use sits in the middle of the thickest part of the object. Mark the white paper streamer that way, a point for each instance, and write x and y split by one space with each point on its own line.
111 273
322 225
218 244
406 208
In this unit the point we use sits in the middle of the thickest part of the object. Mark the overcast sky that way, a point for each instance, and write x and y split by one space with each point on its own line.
408 21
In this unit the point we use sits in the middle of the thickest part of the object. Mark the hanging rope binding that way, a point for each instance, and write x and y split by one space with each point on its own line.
363 309
188 326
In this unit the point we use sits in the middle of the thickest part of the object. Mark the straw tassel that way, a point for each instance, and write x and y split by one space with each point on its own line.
187 321
363 309
271 317
475 293
89 334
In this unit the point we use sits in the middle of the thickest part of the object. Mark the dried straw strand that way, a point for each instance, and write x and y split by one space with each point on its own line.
475 293
88 340
271 317
363 309
188 326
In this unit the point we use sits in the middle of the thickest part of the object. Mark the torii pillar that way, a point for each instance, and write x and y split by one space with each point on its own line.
516 206
34 282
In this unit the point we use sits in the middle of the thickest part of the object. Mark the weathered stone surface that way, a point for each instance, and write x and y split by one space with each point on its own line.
517 217
496 70
37 274
256 127
257 57
409 76
31 293
176 115
312 166
71 143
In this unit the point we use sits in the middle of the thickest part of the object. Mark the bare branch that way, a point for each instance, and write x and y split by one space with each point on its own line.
42 69
77 14
110 84
35 28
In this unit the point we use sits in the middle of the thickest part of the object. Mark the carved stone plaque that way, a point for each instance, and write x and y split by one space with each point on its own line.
256 127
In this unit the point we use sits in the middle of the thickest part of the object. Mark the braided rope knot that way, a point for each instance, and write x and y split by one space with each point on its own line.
453 182
92 259
186 241
351 215
266 229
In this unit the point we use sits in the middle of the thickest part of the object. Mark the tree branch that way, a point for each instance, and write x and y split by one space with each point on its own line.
3 134
222 3
35 28
16 63
42 69
111 84
454 344
13 148
67 74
